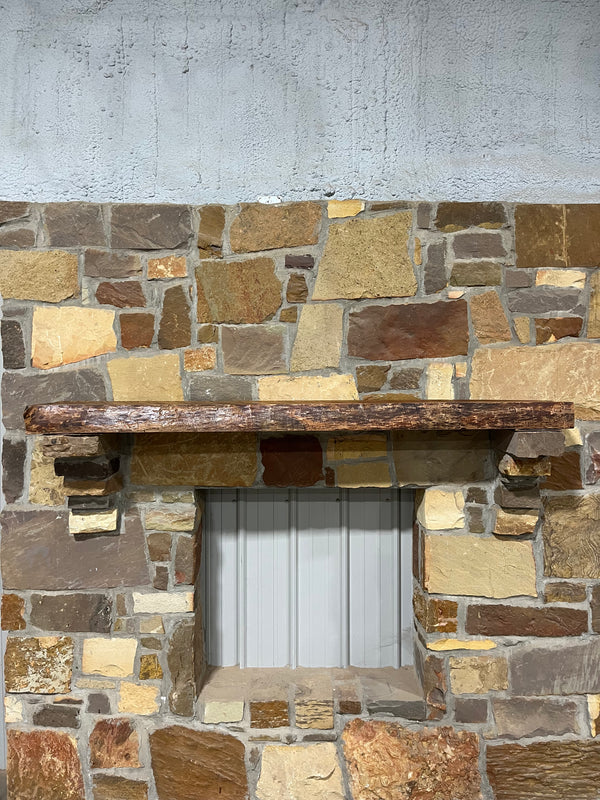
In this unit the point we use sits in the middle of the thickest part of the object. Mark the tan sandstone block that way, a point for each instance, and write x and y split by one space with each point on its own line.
33 275
176 521
318 341
560 277
441 510
367 258
111 657
152 625
441 645
368 445
314 714
103 521
438 384
572 437
68 334
569 371
45 487
344 208
154 378
593 326
163 602
134 699
474 565
167 267
461 368
367 473
13 710
489 318
523 329
261 226
478 675
300 773
309 387
216 711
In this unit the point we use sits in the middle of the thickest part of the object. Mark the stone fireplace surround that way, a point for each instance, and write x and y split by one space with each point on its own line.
101 535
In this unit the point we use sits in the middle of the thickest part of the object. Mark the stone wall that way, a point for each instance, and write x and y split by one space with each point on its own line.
101 535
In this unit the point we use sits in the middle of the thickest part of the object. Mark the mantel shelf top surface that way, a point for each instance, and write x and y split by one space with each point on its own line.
350 416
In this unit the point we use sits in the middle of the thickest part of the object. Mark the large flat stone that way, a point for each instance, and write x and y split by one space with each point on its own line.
571 531
387 761
71 612
569 669
253 349
237 291
266 227
49 276
426 458
412 330
483 567
74 224
38 665
68 334
318 342
153 378
367 258
300 773
562 371
194 459
150 227
43 764
39 553
190 764
526 717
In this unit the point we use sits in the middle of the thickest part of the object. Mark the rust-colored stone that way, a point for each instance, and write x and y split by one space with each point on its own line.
549 330
412 330
137 330
150 669
13 610
435 615
292 460
297 290
269 714
268 227
237 291
387 761
500 620
125 294
43 764
175 328
565 472
190 764
167 267
114 743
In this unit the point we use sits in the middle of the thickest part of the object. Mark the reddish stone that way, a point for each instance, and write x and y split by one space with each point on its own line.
159 546
190 764
107 264
387 761
137 330
435 615
13 610
150 227
175 325
297 290
114 743
549 330
126 294
565 472
411 330
292 461
161 578
504 620
43 764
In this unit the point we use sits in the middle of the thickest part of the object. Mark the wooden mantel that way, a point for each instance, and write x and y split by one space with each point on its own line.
88 418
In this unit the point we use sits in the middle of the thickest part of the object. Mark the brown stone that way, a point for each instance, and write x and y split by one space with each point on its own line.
55 561
137 330
593 325
161 578
38 665
137 379
500 620
299 262
13 466
388 761
98 703
289 314
253 349
412 330
478 245
292 460
208 334
372 377
517 279
297 290
107 264
350 707
425 458
524 467
187 559
67 334
220 388
19 391
79 446
49 276
517 498
23 238
190 764
563 592
75 487
175 328
472 710
159 546
150 669
267 227
530 444
181 660
13 346
435 276
540 235
114 787
570 669
200 359
565 472
432 674
269 714
581 241
593 470
452 217
525 717
405 378
57 716
74 224
367 258
210 233
476 520
549 330
114 743
489 318
71 612
150 227
10 210
191 459
43 764
515 523
237 291
435 615
167 267
13 610
595 609
124 294
476 273
544 770
572 536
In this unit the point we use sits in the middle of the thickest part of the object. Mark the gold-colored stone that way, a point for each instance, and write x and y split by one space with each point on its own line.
45 487
289 314
37 275
514 523
367 258
418 252
38 665
100 522
344 208
441 510
238 291
318 341
572 437
366 445
489 318
66 334
441 645
199 359
524 467
113 658
478 675
135 699
366 473
167 267
523 329
560 277
314 714
309 387
593 326
438 381
150 669
176 521
154 378
593 703
479 566
260 226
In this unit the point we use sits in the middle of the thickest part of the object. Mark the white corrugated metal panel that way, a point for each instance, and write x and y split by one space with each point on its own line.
309 577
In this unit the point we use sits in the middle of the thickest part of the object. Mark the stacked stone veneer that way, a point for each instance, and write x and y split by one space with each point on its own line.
101 535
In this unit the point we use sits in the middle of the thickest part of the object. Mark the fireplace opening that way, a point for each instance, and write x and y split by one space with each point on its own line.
308 577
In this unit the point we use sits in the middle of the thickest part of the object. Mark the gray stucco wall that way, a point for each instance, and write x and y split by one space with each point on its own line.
222 100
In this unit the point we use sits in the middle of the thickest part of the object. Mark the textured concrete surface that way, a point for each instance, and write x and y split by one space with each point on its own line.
228 100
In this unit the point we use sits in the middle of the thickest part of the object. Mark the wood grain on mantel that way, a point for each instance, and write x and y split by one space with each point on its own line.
425 415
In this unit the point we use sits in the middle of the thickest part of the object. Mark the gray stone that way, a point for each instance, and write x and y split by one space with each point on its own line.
424 215
530 444
479 245
98 703
39 553
542 299
517 279
470 709
416 709
19 391
13 346
150 227
521 717
10 210
435 268
180 659
528 497
106 264
72 612
13 465
74 224
220 388
57 716
253 349
568 669
476 273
